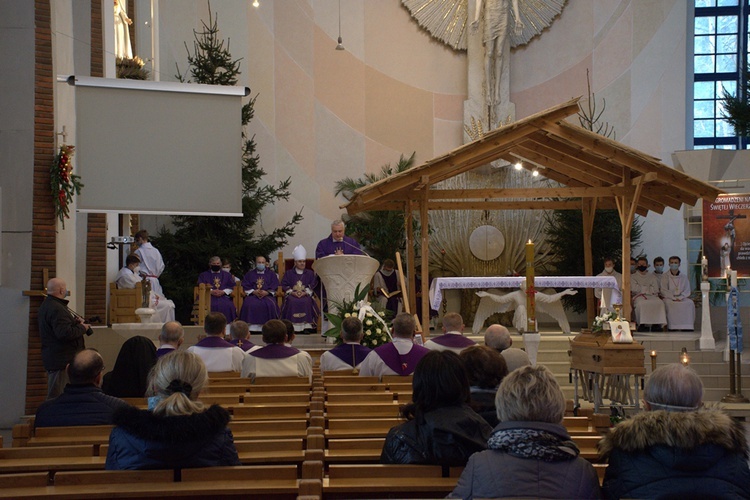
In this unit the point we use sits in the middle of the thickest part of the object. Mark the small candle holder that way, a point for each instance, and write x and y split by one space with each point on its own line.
653 361
684 358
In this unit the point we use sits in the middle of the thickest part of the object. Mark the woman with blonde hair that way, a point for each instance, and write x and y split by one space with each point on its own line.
177 431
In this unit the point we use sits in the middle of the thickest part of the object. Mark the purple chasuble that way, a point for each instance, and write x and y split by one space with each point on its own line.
402 365
163 351
256 310
299 309
220 281
243 344
453 340
212 341
327 247
344 353
274 351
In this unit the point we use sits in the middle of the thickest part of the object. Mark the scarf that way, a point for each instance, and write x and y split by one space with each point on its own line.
533 443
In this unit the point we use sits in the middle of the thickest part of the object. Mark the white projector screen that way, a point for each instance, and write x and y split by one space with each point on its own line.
158 147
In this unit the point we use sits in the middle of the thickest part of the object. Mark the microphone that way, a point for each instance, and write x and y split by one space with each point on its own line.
354 246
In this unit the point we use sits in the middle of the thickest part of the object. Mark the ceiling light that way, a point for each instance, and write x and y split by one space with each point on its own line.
535 172
340 44
256 3
518 165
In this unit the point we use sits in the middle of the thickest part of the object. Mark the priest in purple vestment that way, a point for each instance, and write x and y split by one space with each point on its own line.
260 285
399 357
239 331
348 355
222 286
298 284
337 243
385 283
452 338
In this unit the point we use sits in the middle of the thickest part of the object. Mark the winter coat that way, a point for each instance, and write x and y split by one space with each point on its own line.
446 436
79 404
142 440
60 332
499 474
700 454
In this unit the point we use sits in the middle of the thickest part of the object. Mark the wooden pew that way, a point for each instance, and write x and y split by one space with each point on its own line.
359 427
360 397
268 429
271 481
600 469
225 388
282 381
264 388
276 397
50 458
347 481
219 377
293 411
57 436
350 380
398 379
361 450
587 446
270 451
337 388
137 402
221 399
368 410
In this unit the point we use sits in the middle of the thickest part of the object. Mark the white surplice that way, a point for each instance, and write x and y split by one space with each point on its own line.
649 308
152 265
675 291
127 279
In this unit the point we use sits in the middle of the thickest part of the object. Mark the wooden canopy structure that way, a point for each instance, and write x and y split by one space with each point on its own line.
595 173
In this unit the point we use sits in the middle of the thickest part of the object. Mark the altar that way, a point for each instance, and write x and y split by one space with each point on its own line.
463 283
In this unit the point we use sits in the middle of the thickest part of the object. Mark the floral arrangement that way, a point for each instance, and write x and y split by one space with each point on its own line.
63 182
374 324
601 321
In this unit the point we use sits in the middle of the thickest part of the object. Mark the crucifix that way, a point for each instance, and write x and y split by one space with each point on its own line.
729 226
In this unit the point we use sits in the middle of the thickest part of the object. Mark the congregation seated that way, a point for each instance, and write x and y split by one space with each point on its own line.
276 359
498 337
260 286
178 432
648 307
675 292
217 354
298 285
129 377
452 338
609 296
485 368
399 357
171 337
530 454
130 275
82 402
350 353
221 284
290 336
675 448
239 331
441 428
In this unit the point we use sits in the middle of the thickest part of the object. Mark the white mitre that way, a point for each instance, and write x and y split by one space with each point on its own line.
299 253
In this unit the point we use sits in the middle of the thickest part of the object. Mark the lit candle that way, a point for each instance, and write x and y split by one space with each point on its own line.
530 291
653 360
684 358
704 268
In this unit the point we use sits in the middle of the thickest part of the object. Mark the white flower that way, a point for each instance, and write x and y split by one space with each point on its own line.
382 314
347 315
378 331
368 315
375 342
368 322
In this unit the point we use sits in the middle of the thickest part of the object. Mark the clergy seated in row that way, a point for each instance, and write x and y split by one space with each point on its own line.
226 265
385 285
221 284
649 308
171 337
260 286
337 243
399 357
276 359
498 337
298 285
239 331
217 354
609 296
452 338
82 402
348 355
675 292
130 275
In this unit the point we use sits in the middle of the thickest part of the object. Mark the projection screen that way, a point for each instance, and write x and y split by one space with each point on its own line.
158 147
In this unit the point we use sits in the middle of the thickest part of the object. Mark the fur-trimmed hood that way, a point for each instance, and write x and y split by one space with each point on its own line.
171 430
683 430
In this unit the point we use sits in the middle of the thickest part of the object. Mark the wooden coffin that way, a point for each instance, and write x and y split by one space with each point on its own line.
597 353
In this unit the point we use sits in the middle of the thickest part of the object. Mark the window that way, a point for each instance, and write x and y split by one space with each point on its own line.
720 47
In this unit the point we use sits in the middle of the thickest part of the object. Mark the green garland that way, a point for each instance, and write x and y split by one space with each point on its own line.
63 182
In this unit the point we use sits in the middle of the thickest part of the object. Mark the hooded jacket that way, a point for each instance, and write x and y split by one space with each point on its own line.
698 454
142 440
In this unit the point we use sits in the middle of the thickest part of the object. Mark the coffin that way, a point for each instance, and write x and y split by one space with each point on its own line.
597 353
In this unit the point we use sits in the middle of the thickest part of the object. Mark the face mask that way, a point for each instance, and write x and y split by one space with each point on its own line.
674 267
609 269
137 270
227 269
642 268
216 269
260 267
387 272
658 269
632 268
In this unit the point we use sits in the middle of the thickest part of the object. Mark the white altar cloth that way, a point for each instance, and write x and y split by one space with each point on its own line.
440 284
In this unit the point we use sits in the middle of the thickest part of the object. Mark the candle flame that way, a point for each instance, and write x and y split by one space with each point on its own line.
530 243
653 354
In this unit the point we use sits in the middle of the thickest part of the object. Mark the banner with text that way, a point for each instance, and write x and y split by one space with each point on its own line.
726 234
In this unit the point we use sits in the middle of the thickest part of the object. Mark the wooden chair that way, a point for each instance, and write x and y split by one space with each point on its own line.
123 303
284 265
201 303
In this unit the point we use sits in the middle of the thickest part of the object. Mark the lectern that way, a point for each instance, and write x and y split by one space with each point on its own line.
341 274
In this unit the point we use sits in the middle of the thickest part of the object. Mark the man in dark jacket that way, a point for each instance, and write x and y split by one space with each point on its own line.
61 333
82 402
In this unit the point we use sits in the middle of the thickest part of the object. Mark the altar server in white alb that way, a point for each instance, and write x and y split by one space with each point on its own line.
152 265
649 308
675 292
130 275
276 359
609 296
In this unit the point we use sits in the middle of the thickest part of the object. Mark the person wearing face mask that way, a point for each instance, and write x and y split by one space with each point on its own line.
222 285
130 275
609 296
649 308
633 265
226 265
675 292
260 286
659 267
386 280
298 284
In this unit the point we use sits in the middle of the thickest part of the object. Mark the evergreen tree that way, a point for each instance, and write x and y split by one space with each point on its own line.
381 232
195 239
736 109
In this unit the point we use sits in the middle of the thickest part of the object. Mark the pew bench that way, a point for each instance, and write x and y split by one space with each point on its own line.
51 459
268 429
360 450
384 481
360 428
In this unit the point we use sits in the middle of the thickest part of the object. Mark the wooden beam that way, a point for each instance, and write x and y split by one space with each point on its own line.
588 211
410 255
556 192
424 226
504 205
